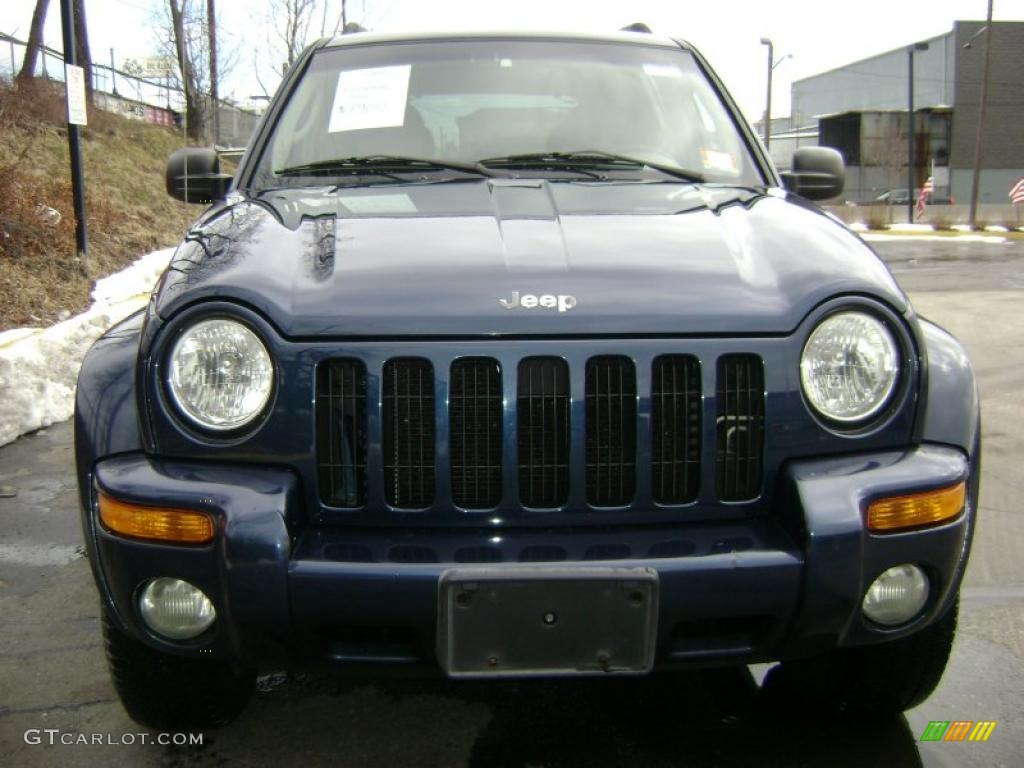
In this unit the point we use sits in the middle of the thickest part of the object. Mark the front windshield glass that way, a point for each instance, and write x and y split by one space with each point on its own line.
463 102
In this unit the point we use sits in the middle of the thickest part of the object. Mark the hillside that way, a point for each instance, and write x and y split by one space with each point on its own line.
128 213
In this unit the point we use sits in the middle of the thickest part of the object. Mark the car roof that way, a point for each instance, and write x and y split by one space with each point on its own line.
634 38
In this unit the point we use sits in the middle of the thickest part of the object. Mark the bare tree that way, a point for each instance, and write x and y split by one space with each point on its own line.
291 19
187 47
35 42
211 30
182 32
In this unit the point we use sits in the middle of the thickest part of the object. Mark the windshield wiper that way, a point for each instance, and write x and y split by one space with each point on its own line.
381 165
582 159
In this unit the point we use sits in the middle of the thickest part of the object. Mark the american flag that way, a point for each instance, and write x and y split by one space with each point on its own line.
1017 192
922 199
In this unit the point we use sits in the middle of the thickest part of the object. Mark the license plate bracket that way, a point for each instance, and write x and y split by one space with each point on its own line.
547 621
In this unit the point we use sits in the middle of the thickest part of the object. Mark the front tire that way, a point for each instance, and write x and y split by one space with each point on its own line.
164 691
881 679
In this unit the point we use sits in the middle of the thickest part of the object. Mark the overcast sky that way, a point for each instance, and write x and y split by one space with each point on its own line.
818 35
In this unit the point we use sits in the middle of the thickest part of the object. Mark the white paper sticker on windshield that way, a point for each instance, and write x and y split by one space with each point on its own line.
723 162
663 70
400 203
370 98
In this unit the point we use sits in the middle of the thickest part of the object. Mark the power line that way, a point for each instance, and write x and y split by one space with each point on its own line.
377 16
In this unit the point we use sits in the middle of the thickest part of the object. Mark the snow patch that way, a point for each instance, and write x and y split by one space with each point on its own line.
137 279
39 368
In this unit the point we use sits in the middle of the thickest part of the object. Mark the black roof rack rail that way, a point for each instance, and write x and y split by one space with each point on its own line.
637 26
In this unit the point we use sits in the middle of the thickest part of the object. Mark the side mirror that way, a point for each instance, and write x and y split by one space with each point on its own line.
193 176
818 173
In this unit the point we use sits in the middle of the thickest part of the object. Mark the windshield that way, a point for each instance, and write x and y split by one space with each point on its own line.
503 106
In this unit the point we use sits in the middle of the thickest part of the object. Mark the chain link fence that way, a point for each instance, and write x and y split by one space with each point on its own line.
152 99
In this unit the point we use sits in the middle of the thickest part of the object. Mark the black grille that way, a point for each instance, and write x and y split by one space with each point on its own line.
475 398
611 431
614 467
543 419
409 433
675 415
740 427
341 432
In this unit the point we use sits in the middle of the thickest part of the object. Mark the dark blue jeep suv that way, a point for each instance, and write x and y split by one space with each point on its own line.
513 355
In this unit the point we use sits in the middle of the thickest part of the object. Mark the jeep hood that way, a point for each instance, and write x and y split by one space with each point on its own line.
436 259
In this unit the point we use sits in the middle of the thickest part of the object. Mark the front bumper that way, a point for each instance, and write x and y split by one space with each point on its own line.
286 592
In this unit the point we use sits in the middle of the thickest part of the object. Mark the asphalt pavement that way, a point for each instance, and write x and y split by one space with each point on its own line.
54 685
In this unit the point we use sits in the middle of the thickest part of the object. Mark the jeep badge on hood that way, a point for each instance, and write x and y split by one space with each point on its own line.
563 301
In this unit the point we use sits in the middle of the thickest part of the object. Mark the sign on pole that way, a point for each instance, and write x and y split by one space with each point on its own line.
74 80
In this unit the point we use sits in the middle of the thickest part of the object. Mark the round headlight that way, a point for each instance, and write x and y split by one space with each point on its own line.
221 375
849 367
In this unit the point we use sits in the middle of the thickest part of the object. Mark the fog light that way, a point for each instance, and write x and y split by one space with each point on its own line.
175 609
897 595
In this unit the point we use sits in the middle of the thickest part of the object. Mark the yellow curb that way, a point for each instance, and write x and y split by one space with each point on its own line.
943 233
14 335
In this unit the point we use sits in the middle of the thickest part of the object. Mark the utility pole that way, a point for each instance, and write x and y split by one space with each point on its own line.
344 17
910 134
976 177
113 74
211 23
74 135
768 101
772 64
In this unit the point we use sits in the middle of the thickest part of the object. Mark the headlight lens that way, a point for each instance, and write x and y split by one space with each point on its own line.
849 367
221 375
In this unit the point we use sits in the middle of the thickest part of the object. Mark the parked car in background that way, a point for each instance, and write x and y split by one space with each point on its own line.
893 197
899 197
512 355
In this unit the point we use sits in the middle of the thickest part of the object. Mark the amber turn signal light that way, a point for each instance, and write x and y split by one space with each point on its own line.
177 526
916 510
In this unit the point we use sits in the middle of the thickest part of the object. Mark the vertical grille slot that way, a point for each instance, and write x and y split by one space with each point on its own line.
543 420
676 428
740 427
409 433
611 431
475 414
341 432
